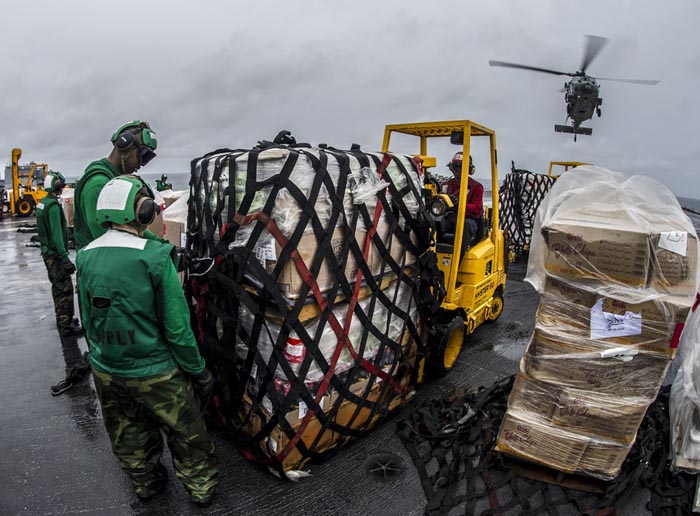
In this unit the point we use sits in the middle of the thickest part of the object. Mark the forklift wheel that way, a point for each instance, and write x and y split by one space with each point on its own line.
446 352
24 207
496 308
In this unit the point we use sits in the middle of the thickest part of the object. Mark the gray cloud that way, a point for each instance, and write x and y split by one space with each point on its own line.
221 73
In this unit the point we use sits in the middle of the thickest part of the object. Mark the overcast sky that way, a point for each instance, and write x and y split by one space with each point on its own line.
214 74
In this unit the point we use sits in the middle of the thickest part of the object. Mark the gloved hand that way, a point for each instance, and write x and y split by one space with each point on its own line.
68 267
203 382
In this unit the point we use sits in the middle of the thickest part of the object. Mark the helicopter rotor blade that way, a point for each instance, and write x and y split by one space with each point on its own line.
632 81
594 44
526 67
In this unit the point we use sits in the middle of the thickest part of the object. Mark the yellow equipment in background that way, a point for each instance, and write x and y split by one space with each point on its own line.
24 197
474 283
566 164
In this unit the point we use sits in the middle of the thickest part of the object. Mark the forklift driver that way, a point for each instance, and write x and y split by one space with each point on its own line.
475 194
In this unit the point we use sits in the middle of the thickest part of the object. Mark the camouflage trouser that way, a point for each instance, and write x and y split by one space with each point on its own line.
136 409
62 292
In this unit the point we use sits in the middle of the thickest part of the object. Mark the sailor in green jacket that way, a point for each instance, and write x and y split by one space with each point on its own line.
143 353
53 237
134 145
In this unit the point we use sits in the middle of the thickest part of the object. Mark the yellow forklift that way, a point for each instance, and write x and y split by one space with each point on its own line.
24 197
566 164
474 283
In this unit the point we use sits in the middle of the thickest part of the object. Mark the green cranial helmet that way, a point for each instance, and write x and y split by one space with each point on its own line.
126 199
54 181
136 135
143 129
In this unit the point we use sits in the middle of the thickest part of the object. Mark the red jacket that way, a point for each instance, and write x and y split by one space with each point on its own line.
475 196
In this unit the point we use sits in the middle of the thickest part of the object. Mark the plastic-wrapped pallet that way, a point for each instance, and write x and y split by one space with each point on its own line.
615 262
308 292
684 409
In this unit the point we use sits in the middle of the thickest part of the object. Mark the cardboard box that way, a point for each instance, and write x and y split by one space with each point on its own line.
582 314
67 201
170 196
157 227
597 250
587 412
674 266
290 280
377 260
591 365
378 397
175 233
533 440
316 438
573 294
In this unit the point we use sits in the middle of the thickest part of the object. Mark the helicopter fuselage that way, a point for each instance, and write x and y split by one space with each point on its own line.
582 100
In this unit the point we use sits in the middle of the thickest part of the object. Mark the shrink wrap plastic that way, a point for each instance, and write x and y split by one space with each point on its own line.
685 400
532 439
363 186
383 323
602 415
615 262
67 201
624 238
609 326
177 211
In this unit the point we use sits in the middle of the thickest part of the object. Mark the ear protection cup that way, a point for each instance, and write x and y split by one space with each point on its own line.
54 182
125 140
146 210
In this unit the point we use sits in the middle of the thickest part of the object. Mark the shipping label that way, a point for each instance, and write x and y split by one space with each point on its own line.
265 251
674 241
605 325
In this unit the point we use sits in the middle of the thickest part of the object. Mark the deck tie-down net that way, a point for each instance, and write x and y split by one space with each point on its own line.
451 442
309 282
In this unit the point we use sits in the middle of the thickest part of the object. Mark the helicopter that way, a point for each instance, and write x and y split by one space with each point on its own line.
581 92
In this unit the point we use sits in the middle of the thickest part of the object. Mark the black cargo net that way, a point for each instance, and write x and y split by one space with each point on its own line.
309 279
520 196
451 442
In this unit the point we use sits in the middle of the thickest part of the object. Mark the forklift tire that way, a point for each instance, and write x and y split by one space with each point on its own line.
24 207
6 207
496 308
444 355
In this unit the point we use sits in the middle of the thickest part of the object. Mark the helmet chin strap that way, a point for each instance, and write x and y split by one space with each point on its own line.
123 162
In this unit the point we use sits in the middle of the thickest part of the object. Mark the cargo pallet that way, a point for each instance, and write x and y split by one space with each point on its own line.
542 473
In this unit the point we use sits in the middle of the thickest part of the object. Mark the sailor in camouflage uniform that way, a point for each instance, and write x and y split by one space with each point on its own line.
143 353
53 237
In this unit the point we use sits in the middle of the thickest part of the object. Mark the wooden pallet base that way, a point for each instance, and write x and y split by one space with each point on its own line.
552 476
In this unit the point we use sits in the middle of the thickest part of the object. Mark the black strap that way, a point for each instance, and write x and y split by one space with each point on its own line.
458 434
